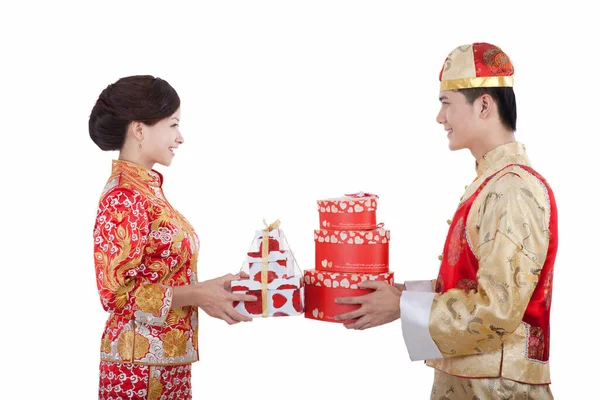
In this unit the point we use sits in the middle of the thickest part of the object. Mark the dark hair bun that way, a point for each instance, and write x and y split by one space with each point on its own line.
140 98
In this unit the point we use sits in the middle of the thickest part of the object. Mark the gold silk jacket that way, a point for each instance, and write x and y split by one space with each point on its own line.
478 326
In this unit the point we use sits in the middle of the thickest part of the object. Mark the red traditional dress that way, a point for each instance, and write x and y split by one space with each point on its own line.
484 323
142 248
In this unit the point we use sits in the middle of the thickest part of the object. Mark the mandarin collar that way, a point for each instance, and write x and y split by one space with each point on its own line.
509 153
137 172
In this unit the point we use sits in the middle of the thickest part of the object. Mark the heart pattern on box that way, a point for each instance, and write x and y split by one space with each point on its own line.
373 236
254 307
347 205
281 294
356 230
343 279
297 301
279 300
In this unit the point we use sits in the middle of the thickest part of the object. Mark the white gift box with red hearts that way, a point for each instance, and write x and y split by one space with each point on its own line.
276 241
278 266
284 297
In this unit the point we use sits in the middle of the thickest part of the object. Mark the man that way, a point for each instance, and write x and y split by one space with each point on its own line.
483 324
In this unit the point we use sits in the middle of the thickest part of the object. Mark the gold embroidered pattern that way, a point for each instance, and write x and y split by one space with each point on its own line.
174 343
498 62
155 389
149 298
132 345
478 329
105 344
142 248
457 242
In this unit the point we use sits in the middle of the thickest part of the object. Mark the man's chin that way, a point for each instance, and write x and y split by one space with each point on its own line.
453 147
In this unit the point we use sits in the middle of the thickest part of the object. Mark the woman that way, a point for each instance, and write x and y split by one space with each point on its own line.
146 252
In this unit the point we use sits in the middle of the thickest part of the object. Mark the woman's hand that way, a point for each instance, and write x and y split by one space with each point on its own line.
214 297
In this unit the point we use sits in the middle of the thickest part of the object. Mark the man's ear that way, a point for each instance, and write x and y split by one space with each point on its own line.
486 104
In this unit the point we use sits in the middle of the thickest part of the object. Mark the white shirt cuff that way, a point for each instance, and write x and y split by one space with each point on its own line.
415 309
418 286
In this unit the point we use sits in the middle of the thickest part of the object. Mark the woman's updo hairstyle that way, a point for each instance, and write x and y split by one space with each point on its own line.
141 98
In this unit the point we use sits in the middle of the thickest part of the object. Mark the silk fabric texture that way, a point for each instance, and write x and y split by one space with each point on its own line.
507 229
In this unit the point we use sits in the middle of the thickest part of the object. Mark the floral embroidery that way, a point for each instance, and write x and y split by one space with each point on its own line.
155 389
548 289
535 343
118 381
132 344
105 344
466 284
149 298
439 284
174 343
143 247
498 62
457 242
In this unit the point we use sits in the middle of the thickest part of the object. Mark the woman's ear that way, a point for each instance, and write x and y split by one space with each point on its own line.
136 128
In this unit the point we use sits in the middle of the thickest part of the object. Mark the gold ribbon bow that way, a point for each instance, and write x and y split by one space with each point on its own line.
265 265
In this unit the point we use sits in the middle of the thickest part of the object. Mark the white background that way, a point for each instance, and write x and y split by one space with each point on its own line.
283 103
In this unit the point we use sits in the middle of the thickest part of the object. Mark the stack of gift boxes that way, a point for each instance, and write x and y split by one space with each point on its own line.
272 278
350 247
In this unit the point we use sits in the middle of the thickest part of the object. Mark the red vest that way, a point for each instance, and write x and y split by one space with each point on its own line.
459 269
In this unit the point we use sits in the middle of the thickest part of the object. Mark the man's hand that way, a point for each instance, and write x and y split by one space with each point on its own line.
377 308
400 286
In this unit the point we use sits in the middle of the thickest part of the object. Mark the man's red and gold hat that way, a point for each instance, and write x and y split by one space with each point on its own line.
476 65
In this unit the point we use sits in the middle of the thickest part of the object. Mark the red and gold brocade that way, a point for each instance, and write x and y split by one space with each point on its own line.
142 248
148 382
492 309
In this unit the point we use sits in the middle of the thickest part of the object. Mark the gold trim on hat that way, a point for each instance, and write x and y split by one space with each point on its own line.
486 81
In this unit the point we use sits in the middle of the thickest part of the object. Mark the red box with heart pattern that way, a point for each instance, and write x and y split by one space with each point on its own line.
364 251
323 287
350 212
